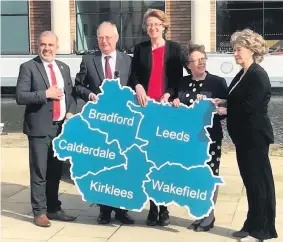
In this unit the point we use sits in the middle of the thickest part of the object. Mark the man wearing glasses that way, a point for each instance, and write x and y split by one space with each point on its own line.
105 64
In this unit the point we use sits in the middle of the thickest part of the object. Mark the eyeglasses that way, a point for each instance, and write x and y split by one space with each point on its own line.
107 38
199 60
153 25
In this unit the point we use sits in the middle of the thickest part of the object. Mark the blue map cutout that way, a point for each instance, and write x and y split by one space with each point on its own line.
120 186
111 115
185 187
180 130
87 149
123 155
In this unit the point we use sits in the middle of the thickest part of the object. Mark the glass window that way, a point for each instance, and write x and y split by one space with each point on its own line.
127 15
14 7
273 24
273 4
14 27
14 35
264 17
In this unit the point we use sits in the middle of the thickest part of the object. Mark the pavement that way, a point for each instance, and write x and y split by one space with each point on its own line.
17 220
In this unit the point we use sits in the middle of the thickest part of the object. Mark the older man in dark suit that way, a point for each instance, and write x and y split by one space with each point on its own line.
45 87
105 64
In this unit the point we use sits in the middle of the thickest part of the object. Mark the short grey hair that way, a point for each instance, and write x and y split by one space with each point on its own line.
108 23
48 32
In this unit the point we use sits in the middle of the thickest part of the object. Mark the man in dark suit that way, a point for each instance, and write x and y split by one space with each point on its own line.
45 87
105 64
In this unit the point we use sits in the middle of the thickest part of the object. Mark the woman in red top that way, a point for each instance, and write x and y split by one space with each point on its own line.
157 66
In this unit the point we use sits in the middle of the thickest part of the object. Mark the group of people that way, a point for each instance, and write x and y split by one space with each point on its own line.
155 71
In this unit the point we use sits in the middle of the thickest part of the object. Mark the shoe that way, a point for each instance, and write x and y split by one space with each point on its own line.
42 221
152 219
194 225
163 219
61 216
206 228
124 218
250 239
240 234
104 218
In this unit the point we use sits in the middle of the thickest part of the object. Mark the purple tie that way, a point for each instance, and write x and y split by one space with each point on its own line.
108 72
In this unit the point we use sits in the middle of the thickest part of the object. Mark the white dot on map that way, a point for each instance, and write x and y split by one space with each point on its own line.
212 164
187 95
218 147
191 100
190 84
213 153
200 85
194 90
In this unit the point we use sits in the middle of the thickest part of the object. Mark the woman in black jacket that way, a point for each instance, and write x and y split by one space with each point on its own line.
156 69
250 130
198 85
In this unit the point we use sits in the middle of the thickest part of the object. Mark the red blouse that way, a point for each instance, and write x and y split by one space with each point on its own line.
156 81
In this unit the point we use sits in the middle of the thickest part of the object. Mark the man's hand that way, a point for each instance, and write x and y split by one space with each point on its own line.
93 97
176 103
54 92
164 98
68 116
141 95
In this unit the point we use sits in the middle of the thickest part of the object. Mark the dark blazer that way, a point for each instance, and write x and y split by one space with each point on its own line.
91 75
31 87
213 87
247 106
142 65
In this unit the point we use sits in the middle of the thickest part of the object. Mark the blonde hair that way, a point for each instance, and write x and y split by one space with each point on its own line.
157 14
252 41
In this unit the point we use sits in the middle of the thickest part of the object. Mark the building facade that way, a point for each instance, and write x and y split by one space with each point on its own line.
209 22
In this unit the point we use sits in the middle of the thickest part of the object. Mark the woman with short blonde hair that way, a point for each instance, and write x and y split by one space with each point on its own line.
250 129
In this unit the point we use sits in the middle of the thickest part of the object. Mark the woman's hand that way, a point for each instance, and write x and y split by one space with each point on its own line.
221 111
200 97
164 98
141 95
176 103
219 102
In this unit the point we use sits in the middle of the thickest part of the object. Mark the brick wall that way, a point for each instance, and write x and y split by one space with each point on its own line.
39 21
179 15
73 25
213 25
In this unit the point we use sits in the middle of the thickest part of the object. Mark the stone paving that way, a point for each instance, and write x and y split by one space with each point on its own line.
17 221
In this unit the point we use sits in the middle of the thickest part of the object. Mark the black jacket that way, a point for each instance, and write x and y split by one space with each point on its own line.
31 88
213 87
247 106
142 65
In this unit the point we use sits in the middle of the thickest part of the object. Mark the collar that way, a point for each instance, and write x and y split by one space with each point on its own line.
113 55
47 63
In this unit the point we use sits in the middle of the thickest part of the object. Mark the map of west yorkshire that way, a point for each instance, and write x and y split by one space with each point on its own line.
124 155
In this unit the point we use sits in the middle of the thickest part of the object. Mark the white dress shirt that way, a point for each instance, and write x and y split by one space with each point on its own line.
112 62
60 84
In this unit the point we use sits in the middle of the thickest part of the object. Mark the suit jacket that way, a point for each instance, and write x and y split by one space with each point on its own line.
173 66
247 104
30 91
213 87
91 75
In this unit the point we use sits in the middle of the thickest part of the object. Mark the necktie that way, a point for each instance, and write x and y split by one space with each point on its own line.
108 72
56 103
